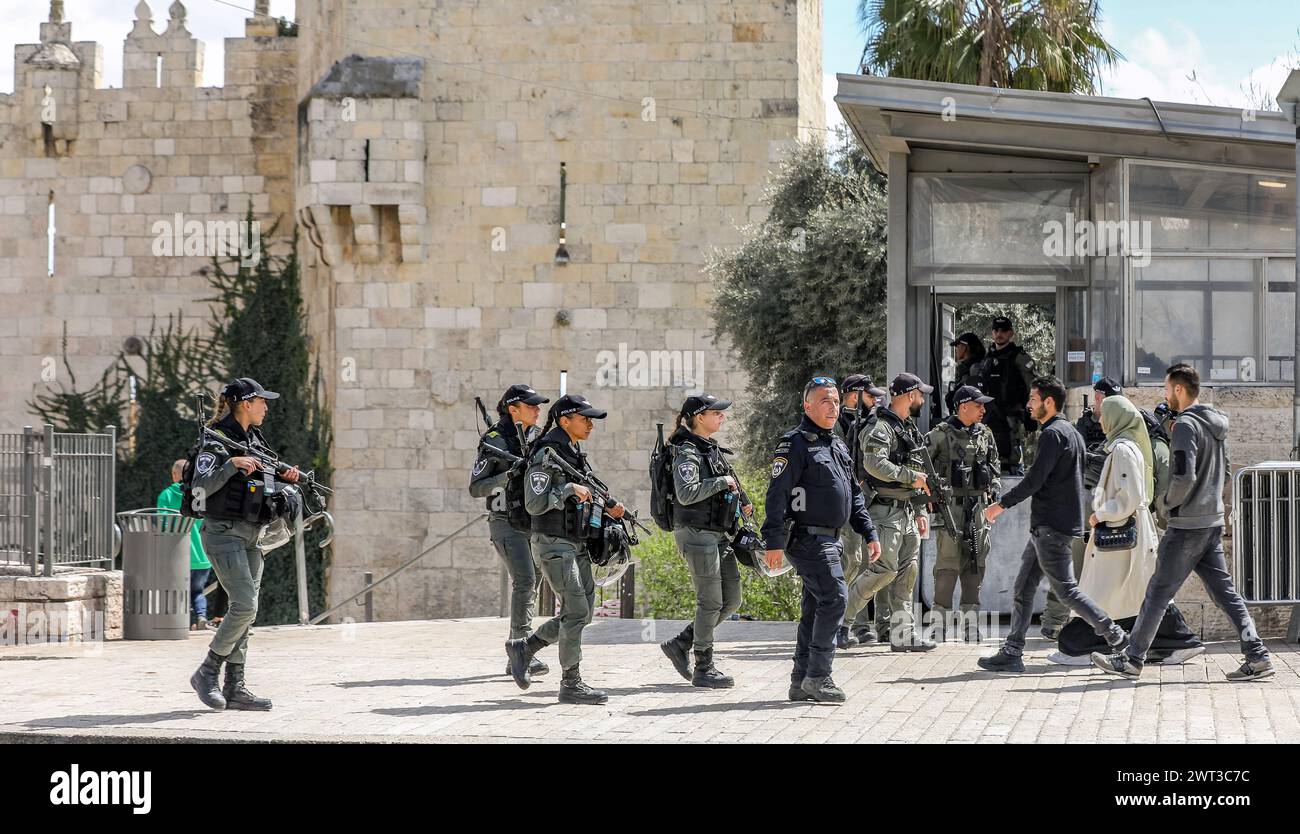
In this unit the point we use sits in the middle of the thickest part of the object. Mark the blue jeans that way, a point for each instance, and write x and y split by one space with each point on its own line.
199 600
825 596
1048 554
1180 553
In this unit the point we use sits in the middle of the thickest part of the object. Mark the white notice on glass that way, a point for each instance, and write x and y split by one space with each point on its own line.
1075 356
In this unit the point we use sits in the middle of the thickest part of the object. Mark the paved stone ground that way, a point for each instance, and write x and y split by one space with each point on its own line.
443 681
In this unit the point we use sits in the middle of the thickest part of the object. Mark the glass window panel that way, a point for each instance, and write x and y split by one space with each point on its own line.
1280 303
992 219
1186 208
1197 310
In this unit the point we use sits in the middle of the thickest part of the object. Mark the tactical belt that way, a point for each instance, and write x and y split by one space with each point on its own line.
808 529
893 502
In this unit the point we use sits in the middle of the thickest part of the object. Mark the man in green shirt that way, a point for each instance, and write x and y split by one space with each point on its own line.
200 567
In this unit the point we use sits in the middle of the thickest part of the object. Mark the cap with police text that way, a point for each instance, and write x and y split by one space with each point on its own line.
576 404
968 339
1002 323
969 393
246 388
703 403
1108 387
904 383
862 382
522 394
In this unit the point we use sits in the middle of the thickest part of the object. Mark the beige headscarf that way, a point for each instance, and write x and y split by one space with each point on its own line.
1122 421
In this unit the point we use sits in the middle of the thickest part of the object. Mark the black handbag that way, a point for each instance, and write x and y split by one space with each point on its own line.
1124 537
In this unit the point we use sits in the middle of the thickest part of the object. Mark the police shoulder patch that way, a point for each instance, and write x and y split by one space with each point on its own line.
689 471
778 466
539 481
480 465
205 463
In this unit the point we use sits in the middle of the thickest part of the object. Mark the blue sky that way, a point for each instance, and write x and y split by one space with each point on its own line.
1227 44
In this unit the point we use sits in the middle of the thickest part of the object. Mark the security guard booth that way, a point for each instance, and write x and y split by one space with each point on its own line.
1161 232
1158 232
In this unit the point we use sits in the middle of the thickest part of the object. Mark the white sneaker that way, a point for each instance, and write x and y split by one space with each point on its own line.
1068 659
1182 656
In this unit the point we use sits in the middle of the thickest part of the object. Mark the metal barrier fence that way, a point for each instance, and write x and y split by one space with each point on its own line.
1266 550
57 491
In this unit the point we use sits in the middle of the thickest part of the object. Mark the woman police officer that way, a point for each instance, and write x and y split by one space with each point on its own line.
235 511
508 524
706 507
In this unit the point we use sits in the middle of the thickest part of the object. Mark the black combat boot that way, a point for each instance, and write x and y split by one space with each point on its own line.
237 697
843 639
796 690
535 667
678 651
204 681
864 636
574 691
707 675
822 690
520 661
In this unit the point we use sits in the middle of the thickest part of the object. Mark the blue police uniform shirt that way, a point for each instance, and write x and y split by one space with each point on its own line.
816 461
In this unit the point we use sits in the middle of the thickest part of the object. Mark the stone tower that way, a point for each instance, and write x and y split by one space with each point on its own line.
434 134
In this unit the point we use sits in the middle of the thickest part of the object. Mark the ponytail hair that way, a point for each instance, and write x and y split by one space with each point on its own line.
503 415
224 407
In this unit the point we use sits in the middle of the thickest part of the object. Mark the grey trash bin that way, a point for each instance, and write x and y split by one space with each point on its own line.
155 574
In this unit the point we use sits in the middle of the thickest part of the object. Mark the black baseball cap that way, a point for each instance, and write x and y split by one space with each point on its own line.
968 339
969 393
246 388
861 382
1002 323
522 394
1108 386
576 404
703 403
905 383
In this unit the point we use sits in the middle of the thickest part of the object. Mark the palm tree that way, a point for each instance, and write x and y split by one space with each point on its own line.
1053 45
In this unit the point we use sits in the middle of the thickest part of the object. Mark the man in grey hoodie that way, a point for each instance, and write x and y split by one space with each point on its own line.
1194 541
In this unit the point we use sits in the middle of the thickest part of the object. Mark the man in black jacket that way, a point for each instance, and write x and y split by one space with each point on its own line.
1055 482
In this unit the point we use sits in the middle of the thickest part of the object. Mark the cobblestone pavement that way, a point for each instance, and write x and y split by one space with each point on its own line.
443 681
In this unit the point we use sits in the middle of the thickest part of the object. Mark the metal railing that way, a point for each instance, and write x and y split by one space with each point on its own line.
1266 536
57 491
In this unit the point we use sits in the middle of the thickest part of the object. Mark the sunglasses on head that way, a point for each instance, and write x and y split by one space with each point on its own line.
818 382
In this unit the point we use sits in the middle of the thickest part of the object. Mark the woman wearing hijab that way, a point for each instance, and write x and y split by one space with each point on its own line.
1117 579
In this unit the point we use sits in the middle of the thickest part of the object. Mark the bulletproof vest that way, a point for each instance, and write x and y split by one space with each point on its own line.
1002 378
1090 427
571 521
243 497
904 450
718 511
969 472
515 513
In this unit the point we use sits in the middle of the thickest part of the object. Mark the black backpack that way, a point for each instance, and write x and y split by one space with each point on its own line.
661 483
187 483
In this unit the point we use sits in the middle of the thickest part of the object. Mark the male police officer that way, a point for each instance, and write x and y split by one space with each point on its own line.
968 351
508 522
811 497
1006 374
857 414
963 451
895 478
1055 613
563 514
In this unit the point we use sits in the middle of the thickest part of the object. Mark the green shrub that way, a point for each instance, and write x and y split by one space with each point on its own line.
665 591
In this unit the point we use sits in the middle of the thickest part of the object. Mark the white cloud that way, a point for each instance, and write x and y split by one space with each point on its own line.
1172 65
108 21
